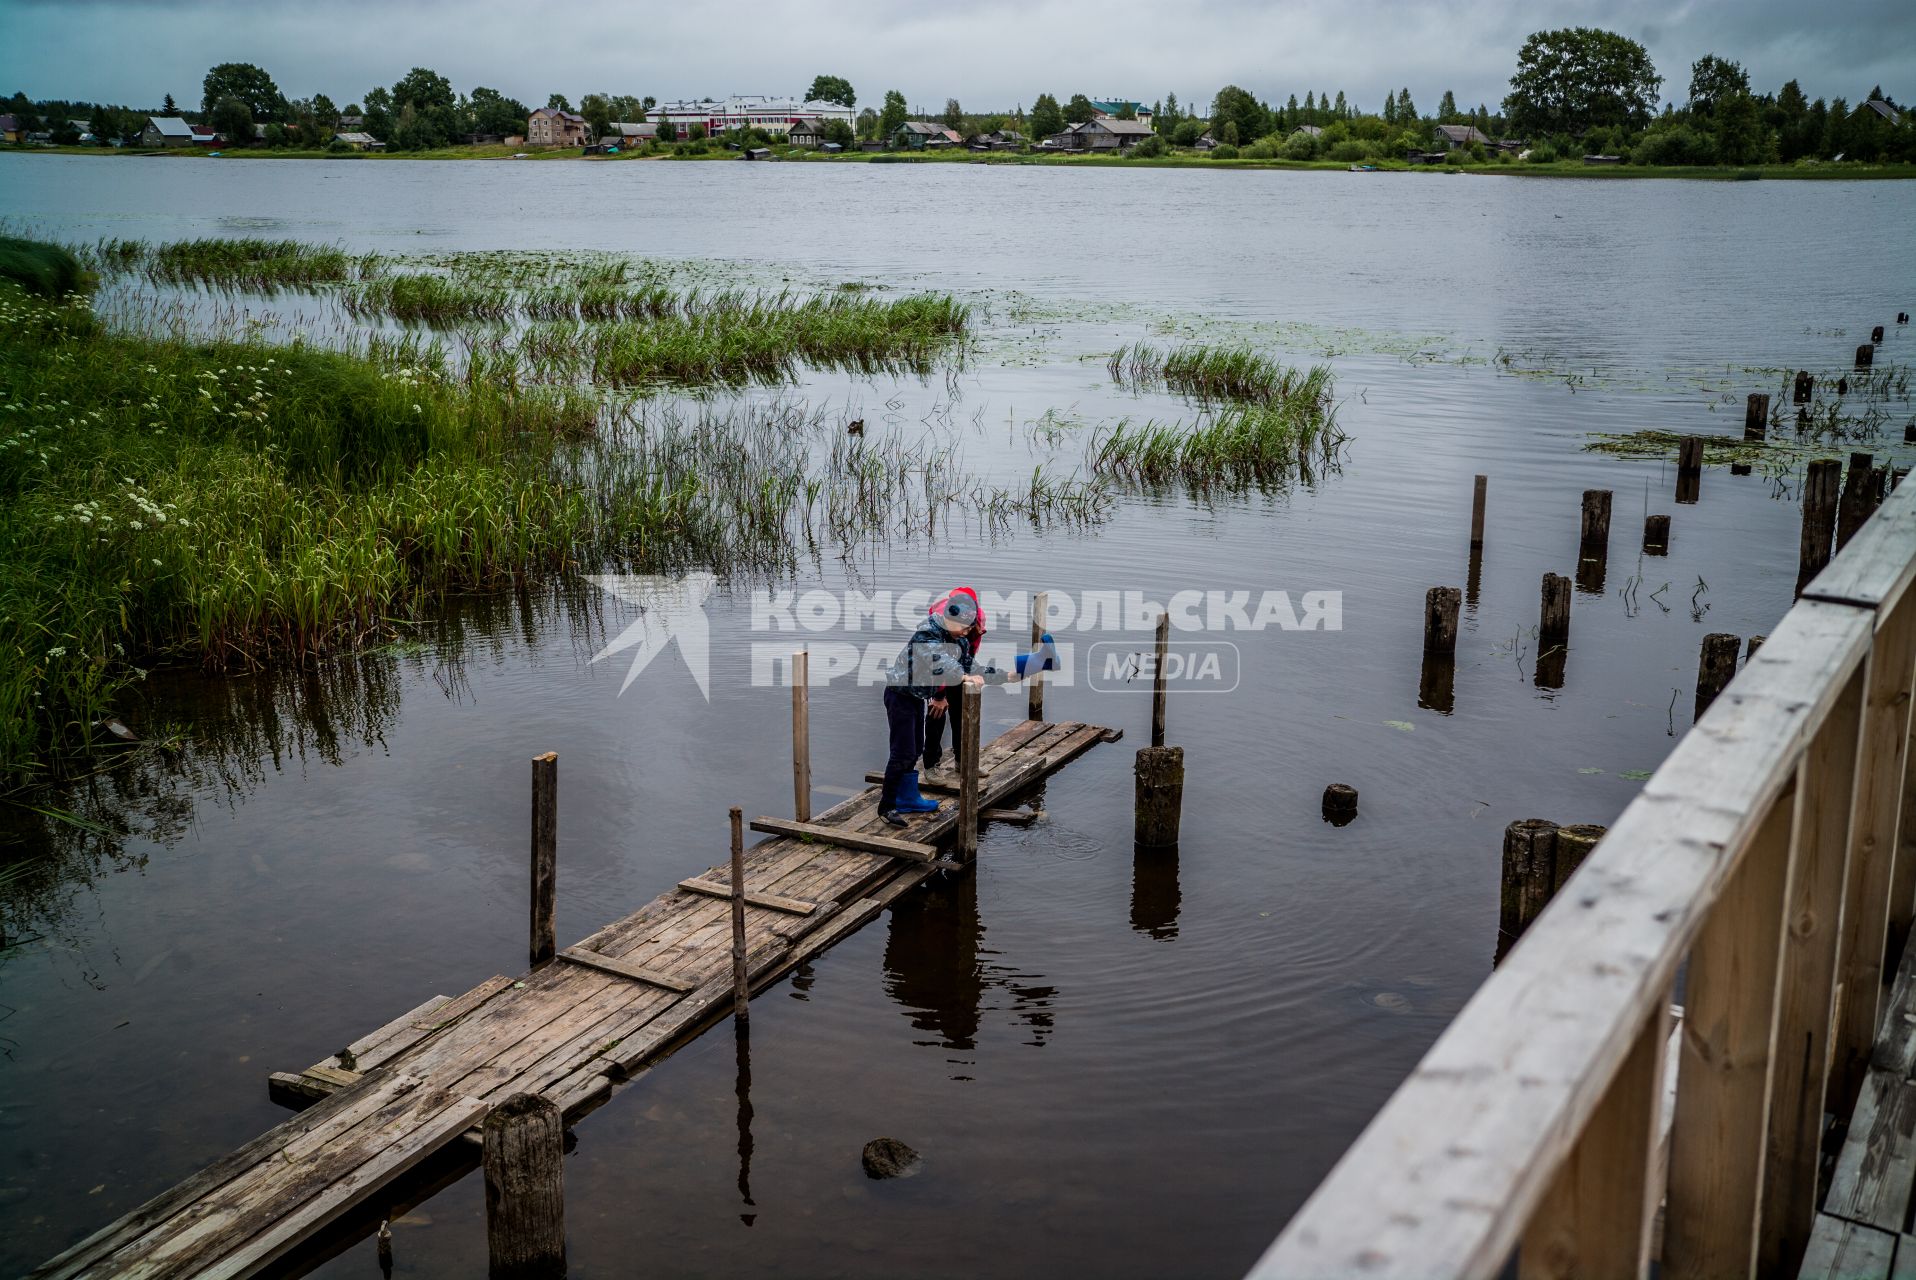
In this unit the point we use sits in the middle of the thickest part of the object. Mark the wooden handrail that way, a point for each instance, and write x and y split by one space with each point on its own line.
1765 852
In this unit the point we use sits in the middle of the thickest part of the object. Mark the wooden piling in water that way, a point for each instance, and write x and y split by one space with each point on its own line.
1593 541
545 856
1574 844
1440 619
1802 389
968 773
1689 486
1756 416
1750 648
1159 797
1715 668
741 975
1529 877
1157 684
801 736
1865 356
1858 499
1478 491
1876 334
1554 625
524 1152
1656 535
1820 485
1340 803
1034 696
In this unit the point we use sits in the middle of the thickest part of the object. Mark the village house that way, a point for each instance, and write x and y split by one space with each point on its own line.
773 115
551 127
629 133
1452 136
359 141
807 133
166 131
1102 133
1884 110
915 135
1308 130
205 135
1117 107
998 140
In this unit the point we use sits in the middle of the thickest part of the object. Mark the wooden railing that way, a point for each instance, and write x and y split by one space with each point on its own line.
1775 851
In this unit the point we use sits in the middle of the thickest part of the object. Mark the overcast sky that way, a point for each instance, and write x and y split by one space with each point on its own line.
990 55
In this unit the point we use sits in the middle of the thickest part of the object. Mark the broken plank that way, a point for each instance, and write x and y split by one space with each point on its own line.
849 839
337 1077
625 969
770 901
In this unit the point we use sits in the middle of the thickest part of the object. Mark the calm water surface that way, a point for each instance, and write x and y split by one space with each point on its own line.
1113 1064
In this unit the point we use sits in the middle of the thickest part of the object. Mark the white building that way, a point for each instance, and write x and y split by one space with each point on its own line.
774 115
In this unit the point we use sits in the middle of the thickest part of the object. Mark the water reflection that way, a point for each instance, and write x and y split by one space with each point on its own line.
742 1051
1155 897
938 968
1436 683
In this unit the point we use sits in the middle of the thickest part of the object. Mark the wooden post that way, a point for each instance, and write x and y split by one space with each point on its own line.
1858 501
801 736
1034 697
1594 535
1756 416
1574 844
1689 469
1717 1140
1803 387
1160 796
1715 667
741 980
1876 334
1157 685
968 778
1808 984
1596 1218
1477 510
1656 535
1865 356
1820 486
1437 683
1529 877
545 856
1340 803
1440 619
524 1155
1749 649
1554 628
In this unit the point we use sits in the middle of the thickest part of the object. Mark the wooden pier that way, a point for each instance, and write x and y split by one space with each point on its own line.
570 1031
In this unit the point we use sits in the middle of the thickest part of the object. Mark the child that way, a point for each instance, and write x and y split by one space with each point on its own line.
938 657
950 711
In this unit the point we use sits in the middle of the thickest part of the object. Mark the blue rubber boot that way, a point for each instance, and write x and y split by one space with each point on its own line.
910 800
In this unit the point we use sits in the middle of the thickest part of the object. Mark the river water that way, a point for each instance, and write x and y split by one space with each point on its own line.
1113 1064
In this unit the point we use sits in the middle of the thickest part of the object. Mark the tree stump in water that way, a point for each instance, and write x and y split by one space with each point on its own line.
1160 797
1715 668
1440 619
1820 487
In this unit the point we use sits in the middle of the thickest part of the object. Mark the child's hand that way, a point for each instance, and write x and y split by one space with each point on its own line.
936 706
974 679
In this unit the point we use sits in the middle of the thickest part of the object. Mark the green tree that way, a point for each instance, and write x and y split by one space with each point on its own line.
836 130
558 102
1079 109
1046 117
893 115
242 80
1836 129
1406 109
597 110
423 89
954 117
169 108
1236 111
1714 80
868 123
1576 79
1340 108
832 89
1793 141
379 113
494 112
1740 137
232 118
668 132
695 132
1447 108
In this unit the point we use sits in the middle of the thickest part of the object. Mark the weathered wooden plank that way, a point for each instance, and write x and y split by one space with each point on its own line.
1725 1068
1904 1267
1807 987
337 1077
1877 1166
1873 845
373 1048
459 1006
1524 1065
625 969
344 1193
1877 566
1595 1220
1895 1047
1015 817
1840 1250
770 901
815 831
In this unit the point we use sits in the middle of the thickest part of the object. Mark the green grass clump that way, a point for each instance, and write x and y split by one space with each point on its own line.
250 265
47 270
1205 372
430 300
1238 444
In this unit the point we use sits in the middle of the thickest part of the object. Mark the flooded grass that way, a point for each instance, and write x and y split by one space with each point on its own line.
248 265
1238 444
1206 372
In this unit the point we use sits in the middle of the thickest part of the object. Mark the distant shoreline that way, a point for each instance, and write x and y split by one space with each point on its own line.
1562 169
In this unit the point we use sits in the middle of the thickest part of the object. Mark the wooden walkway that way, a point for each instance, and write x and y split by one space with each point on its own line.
1863 1230
571 1031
